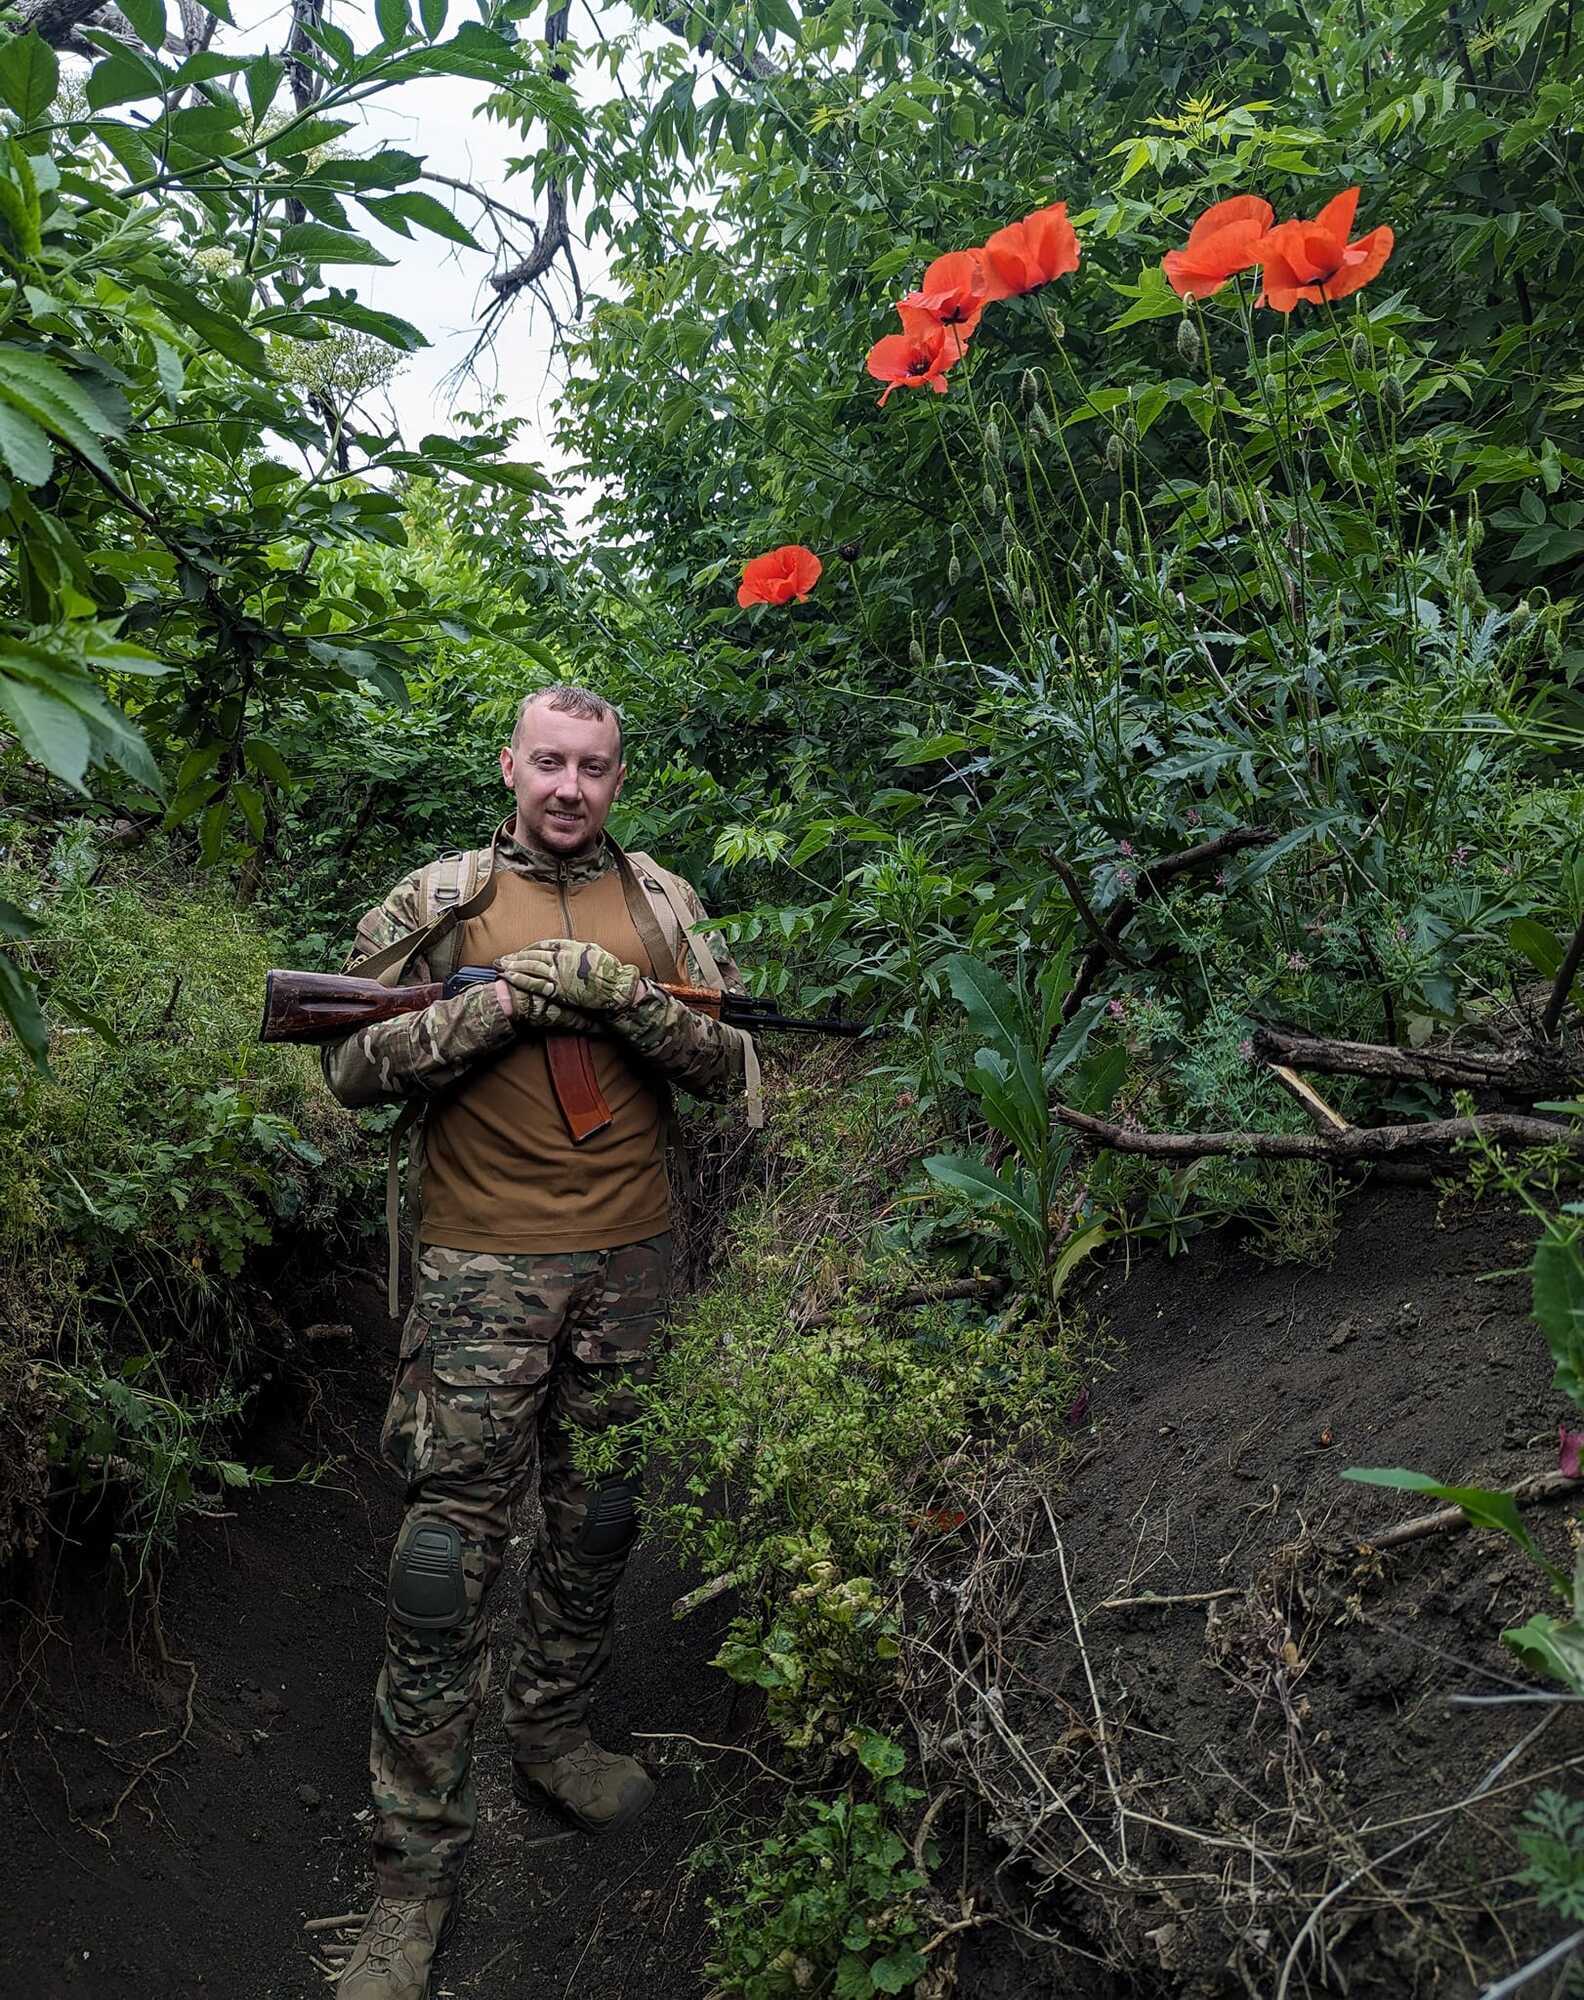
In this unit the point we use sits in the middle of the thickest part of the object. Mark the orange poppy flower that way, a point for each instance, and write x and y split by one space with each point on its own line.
1030 253
919 355
956 290
1225 240
780 576
1315 261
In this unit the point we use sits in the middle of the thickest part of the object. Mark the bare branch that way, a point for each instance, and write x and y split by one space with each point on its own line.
1524 1072
1361 1142
1567 972
751 67
1151 881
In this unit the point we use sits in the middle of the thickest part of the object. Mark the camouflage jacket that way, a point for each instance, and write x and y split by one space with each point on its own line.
423 1055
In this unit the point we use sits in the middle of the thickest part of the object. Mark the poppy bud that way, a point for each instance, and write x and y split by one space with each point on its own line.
940 663
1113 452
1361 351
1521 614
954 570
988 496
1476 531
1392 395
1130 433
916 652
1189 346
992 437
1551 640
1058 329
1030 389
1028 597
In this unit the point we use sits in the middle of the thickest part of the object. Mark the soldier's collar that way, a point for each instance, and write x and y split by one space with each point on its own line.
531 858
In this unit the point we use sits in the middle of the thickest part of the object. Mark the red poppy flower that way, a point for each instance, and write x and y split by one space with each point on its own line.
919 355
1315 261
1225 240
956 290
780 576
1032 252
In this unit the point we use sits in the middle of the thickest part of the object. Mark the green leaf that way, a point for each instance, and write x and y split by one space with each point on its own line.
1543 948
1550 1647
897 1972
1557 1300
880 1757
212 328
51 731
1484 1507
433 15
264 76
776 16
266 760
23 446
29 76
929 749
983 1188
148 18
393 18
336 311
318 243
396 210
123 78
304 135
19 1006
991 1005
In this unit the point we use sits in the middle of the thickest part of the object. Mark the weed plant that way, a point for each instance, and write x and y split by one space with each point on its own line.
160 1151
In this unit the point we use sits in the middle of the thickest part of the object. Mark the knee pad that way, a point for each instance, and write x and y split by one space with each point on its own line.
428 1590
611 1524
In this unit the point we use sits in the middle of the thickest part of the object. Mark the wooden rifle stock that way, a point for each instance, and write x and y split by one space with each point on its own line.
323 1006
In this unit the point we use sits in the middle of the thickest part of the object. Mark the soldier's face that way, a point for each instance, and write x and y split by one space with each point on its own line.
566 773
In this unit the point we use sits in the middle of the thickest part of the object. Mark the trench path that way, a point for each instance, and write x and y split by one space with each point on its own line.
258 1822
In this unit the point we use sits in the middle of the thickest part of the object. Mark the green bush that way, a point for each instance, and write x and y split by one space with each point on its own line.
162 1149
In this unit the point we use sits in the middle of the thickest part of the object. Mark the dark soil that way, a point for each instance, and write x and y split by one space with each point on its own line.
203 1880
1283 1737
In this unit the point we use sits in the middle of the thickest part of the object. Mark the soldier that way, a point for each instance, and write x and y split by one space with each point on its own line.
542 1267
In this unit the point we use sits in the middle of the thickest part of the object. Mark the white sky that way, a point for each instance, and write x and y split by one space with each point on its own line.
439 286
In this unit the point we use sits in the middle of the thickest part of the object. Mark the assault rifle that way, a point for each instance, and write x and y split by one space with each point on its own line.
324 1006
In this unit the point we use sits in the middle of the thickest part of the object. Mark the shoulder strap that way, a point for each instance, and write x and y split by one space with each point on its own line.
447 903
709 969
675 906
452 889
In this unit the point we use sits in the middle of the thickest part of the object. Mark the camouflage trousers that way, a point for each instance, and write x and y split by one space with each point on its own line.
506 1360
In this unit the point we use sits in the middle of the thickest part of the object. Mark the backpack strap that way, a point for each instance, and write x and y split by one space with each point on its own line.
698 945
451 890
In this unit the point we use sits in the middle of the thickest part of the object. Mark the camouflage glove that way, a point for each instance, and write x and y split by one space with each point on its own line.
561 971
531 1008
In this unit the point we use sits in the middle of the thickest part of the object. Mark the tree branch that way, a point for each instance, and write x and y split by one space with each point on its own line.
1364 1142
1567 972
1523 1072
1152 879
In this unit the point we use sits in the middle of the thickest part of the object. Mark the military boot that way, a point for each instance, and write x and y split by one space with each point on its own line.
396 1949
595 1787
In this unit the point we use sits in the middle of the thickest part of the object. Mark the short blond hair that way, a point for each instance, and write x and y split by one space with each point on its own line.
571 699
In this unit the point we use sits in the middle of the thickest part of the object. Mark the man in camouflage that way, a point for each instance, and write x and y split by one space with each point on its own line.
542 1268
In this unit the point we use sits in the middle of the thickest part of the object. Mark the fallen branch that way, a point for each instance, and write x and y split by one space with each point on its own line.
1525 1072
726 1749
1453 1520
334 1923
1567 972
1362 1142
706 1593
1103 941
1152 879
1305 1094
1149 1601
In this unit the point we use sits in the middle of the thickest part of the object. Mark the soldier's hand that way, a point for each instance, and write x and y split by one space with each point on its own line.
562 971
528 1008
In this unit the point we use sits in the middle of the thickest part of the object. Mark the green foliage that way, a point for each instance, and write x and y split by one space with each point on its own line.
139 1176
828 1904
813 1455
116 1429
1553 1846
